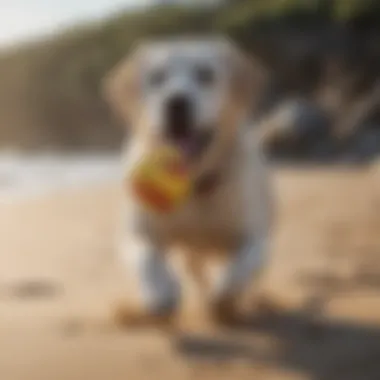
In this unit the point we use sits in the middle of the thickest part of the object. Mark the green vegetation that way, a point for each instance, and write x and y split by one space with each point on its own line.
49 93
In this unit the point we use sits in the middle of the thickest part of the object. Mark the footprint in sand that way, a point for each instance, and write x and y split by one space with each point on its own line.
34 289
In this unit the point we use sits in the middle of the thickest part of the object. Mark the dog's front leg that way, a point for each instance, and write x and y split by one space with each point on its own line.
158 290
239 273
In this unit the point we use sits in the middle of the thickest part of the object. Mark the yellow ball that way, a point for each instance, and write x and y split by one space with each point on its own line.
161 181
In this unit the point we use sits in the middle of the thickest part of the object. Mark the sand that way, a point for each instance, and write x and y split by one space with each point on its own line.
57 275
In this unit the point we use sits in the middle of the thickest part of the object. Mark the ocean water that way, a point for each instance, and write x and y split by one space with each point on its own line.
23 175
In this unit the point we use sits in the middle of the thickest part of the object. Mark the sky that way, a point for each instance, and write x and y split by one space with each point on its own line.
22 20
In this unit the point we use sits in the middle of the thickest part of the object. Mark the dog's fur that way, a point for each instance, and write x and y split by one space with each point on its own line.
235 215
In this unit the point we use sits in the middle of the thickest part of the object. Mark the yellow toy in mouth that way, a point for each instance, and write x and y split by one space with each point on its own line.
161 181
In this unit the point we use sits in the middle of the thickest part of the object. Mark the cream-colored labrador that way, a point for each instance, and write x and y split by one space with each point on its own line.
197 94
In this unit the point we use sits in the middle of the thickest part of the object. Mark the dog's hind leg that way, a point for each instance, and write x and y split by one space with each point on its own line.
244 267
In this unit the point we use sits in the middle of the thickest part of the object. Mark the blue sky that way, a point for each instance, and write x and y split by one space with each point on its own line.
25 19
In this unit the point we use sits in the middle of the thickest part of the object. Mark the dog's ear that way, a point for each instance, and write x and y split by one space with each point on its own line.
121 88
248 78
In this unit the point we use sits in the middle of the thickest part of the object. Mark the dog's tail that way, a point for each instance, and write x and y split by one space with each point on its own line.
277 124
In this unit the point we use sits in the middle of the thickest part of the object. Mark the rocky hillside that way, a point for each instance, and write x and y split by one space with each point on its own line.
323 57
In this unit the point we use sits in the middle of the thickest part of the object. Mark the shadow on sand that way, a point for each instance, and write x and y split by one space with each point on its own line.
303 341
323 350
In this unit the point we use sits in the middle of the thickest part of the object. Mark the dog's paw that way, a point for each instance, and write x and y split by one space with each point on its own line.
266 306
126 315
225 312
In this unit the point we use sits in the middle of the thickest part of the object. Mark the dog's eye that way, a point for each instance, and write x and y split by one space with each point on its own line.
157 78
205 75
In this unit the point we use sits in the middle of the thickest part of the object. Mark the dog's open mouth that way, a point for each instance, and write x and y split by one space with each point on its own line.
181 129
192 141
193 144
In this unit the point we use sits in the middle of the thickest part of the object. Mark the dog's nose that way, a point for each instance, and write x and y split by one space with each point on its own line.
178 116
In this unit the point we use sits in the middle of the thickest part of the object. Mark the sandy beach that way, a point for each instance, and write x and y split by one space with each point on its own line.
57 269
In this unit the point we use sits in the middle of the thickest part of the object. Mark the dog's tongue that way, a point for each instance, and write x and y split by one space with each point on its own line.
188 147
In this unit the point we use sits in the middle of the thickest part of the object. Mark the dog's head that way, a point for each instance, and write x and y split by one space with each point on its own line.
193 93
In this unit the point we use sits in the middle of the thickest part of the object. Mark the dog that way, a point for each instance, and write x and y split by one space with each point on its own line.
197 94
